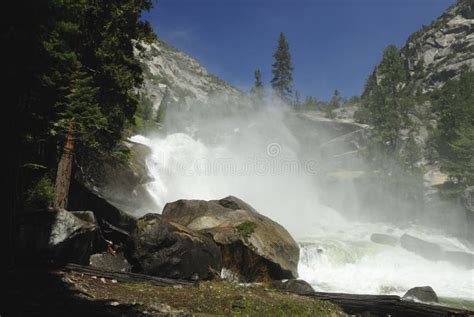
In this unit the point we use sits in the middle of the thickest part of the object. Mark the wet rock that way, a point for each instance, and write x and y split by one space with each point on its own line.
293 286
168 249
112 262
422 293
381 238
428 250
460 258
252 245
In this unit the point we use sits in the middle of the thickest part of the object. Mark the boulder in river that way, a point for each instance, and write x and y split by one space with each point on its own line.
426 249
386 239
252 245
168 249
460 258
421 293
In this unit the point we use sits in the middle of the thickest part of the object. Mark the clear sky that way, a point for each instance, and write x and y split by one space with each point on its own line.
334 43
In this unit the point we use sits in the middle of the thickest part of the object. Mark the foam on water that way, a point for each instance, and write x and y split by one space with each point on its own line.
345 260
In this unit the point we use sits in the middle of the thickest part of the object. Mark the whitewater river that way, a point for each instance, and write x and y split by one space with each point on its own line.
336 255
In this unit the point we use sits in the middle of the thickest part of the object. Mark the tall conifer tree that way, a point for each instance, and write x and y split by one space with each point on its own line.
258 92
282 70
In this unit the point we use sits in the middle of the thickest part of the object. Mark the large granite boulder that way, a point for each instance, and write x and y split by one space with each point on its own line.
253 246
168 249
58 236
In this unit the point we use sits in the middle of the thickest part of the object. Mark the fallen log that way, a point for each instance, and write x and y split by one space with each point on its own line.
387 305
124 276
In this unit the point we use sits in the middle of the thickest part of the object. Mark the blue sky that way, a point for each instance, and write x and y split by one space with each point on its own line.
334 43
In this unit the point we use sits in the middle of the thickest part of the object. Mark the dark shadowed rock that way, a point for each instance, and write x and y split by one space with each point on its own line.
58 236
300 287
381 238
112 262
167 249
115 190
422 293
252 245
81 198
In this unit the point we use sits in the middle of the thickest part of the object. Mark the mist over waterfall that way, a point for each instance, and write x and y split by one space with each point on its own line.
266 156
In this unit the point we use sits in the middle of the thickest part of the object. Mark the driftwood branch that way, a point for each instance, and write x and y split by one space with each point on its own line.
124 276
386 305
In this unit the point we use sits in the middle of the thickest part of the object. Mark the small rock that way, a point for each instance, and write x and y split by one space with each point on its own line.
110 262
421 293
293 286
102 280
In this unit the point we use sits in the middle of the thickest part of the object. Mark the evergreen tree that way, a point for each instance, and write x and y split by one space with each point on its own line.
258 92
162 109
388 104
454 137
297 102
333 104
74 62
282 70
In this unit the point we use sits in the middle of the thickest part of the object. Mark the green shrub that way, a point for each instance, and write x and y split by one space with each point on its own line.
41 195
246 229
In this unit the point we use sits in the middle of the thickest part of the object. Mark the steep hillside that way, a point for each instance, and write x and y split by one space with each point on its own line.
171 73
438 51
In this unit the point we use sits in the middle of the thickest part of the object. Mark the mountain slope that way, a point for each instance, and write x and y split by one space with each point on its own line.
168 71
438 52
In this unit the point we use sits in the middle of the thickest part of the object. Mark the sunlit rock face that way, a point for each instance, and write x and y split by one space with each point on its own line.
439 51
168 71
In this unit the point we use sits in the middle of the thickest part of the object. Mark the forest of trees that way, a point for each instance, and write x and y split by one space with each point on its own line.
71 72
389 106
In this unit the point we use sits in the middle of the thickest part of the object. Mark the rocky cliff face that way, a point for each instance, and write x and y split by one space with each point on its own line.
437 52
171 73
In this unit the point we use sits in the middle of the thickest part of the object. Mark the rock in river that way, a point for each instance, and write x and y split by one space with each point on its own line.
421 293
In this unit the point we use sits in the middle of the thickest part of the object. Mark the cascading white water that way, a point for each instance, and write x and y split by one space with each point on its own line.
344 259
258 159
336 255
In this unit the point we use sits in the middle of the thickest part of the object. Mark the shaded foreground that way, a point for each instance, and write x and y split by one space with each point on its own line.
83 291
80 291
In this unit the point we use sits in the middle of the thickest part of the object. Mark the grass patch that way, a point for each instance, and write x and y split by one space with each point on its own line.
222 298
459 303
246 229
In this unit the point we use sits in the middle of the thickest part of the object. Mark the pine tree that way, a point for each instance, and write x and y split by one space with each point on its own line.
77 62
162 109
258 92
282 70
297 102
388 103
454 136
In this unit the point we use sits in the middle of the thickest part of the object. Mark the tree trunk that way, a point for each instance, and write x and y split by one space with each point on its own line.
63 176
